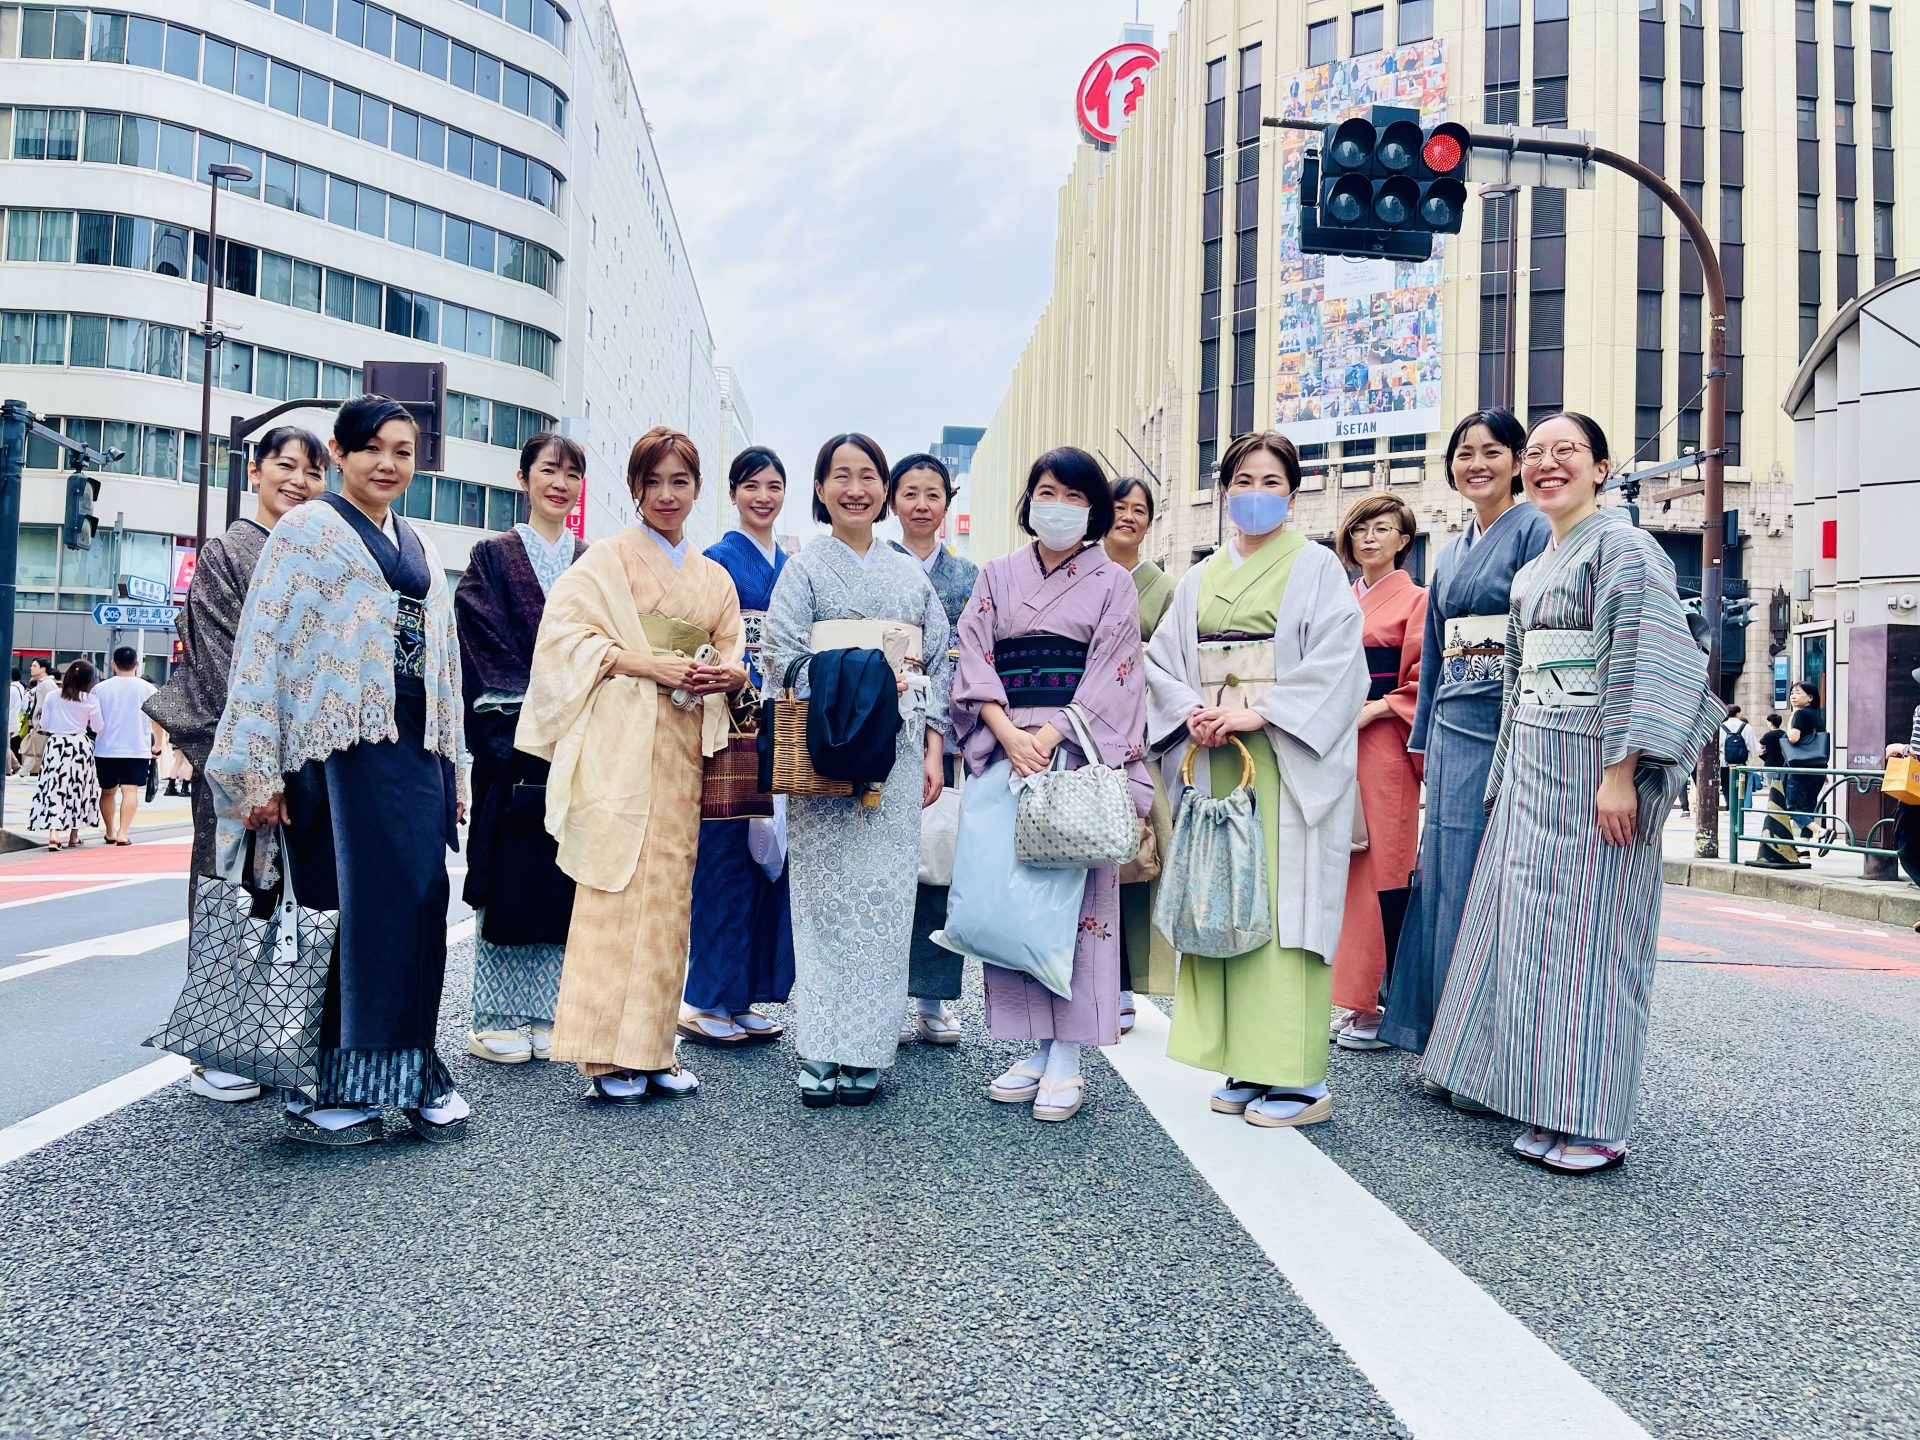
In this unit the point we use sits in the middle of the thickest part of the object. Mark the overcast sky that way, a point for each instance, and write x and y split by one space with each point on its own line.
868 189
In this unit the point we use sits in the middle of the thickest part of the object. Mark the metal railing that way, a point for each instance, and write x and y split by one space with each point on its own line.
1823 817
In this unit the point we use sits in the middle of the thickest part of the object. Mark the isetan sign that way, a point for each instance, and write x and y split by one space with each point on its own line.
1110 91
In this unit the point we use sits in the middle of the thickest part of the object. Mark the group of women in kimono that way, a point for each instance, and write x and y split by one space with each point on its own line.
1546 688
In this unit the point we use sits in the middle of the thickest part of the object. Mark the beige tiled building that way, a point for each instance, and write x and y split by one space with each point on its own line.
1175 321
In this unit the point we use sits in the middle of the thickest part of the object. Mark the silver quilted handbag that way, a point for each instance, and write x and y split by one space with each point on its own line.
1076 819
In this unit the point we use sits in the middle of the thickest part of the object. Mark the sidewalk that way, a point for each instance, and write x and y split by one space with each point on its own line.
1832 883
166 812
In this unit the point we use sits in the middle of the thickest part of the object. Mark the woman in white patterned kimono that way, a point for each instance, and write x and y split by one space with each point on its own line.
854 868
1544 1016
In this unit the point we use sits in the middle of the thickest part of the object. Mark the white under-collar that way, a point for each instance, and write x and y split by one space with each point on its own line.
863 561
676 553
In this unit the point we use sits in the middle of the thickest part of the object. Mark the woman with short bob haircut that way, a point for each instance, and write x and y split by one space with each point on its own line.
343 730
624 709
1050 657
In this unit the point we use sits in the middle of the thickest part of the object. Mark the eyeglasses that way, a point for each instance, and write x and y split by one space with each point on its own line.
1381 530
1562 451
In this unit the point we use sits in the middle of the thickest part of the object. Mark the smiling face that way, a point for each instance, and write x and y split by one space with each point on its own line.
288 477
760 498
378 473
552 485
854 490
1483 468
1259 470
1054 492
667 495
1132 519
920 502
1562 478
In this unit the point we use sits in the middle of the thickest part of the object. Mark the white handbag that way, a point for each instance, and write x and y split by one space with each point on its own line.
1076 819
939 831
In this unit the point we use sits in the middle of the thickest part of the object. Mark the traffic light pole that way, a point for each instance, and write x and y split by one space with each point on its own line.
1706 839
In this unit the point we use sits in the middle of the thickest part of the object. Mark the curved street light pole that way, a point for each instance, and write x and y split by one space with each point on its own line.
210 339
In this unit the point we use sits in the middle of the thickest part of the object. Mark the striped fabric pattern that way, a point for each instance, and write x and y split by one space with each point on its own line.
1544 1016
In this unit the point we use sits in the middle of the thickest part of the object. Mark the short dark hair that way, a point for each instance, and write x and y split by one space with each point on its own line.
823 466
1812 687
362 418
654 449
749 463
1271 441
1773 718
1080 473
1127 484
1503 425
572 452
78 680
281 436
36 660
125 657
921 461
1586 425
1732 710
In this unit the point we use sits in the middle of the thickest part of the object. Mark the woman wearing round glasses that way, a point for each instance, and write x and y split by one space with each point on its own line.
1544 1017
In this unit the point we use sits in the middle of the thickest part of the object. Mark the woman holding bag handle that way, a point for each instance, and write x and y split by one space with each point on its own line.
1263 644
1053 630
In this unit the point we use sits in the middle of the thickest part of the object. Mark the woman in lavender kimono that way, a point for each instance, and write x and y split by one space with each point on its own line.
514 882
1544 1017
918 493
741 954
1457 715
1055 628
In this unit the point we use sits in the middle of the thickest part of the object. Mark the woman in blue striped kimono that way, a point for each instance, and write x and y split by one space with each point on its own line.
1544 1017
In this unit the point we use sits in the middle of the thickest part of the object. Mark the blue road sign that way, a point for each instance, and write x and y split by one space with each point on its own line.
135 617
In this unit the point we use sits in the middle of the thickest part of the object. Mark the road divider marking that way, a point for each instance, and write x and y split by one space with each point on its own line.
1799 922
127 942
1407 1337
85 890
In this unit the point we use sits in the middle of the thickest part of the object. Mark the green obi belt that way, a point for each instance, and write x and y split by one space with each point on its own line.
673 637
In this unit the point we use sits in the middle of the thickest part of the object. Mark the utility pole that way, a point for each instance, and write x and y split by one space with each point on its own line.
210 339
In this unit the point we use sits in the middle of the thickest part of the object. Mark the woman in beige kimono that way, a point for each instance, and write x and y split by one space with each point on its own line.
624 707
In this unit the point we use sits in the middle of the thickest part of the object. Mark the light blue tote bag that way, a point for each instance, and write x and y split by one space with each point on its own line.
1213 882
1009 914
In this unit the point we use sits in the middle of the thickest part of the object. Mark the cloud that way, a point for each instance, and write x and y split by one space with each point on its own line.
868 193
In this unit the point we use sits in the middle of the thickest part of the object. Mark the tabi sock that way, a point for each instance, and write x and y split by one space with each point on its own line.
453 1106
932 1009
339 1117
677 1081
1063 1061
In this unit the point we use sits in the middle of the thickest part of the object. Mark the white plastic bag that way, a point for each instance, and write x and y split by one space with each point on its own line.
767 839
1017 916
939 828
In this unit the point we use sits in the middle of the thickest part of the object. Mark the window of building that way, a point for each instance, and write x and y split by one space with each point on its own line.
1369 30
1730 109
1502 12
1690 12
1809 222
1653 9
1729 14
1846 225
1692 332
1882 128
1809 327
1414 21
1322 43
1883 232
1880 28
1843 123
1693 105
1653 215
1647 319
1503 104
1732 216
1843 24
1808 118
1653 99
1806 23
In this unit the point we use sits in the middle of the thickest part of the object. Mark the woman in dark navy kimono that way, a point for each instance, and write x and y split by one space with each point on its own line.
741 951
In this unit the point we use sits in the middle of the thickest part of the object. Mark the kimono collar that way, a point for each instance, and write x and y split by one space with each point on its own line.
874 547
1232 574
767 552
1473 533
676 553
1388 585
1073 559
549 559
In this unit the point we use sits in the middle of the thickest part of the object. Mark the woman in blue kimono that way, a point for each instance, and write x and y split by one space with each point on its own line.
741 953
1457 716
919 492
343 729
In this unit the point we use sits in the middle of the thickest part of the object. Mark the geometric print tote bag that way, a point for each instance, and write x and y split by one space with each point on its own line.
256 986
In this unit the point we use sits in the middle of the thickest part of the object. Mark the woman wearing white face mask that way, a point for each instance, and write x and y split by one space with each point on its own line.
1051 638
1263 645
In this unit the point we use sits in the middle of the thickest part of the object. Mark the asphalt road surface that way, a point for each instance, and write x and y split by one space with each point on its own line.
733 1265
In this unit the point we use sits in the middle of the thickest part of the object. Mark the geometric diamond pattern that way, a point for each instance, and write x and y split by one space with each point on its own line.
255 987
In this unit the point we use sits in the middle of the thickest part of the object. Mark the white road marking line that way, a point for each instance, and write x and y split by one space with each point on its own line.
127 942
56 1122
85 890
1315 1223
42 877
1798 922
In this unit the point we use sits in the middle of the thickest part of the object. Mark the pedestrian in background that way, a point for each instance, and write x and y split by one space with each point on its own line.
68 795
1807 746
342 731
918 493
41 686
1906 824
637 651
1544 1017
1736 748
1375 538
854 866
741 953
16 719
514 884
1051 637
1147 959
1457 717
1262 646
129 744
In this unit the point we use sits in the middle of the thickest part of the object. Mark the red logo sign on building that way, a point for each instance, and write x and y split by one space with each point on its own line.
576 521
1110 91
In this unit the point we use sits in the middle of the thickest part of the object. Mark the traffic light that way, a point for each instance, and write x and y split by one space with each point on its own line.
1382 185
82 490
1736 614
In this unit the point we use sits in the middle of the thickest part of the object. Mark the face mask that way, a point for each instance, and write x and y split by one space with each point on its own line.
1059 526
1258 512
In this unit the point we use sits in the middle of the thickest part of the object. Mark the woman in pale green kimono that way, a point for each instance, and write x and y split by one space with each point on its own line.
1146 956
1262 644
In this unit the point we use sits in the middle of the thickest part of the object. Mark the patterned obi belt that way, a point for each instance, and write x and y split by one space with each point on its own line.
1039 669
1475 648
1559 669
410 639
1383 670
1236 667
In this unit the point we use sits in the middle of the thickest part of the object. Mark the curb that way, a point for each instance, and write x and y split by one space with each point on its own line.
1891 902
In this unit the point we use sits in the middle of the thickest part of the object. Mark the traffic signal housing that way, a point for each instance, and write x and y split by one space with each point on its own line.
1383 185
82 490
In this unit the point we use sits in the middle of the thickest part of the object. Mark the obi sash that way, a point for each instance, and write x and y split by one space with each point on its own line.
668 636
1383 670
1559 669
1236 667
899 641
1475 648
1039 669
410 639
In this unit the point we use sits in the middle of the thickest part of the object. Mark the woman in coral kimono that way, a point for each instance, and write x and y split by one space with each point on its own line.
522 902
1458 714
1054 631
854 865
342 732
624 708
1374 539
1263 644
1146 956
1544 1017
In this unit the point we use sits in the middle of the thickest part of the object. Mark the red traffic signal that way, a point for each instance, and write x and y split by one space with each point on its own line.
1445 149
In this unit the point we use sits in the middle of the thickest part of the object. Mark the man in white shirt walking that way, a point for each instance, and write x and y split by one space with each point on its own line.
128 742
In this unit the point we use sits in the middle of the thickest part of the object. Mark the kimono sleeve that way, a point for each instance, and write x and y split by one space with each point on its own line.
1432 643
1111 698
215 599
975 682
789 630
1171 697
1404 699
480 617
574 651
1509 686
938 660
1654 676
